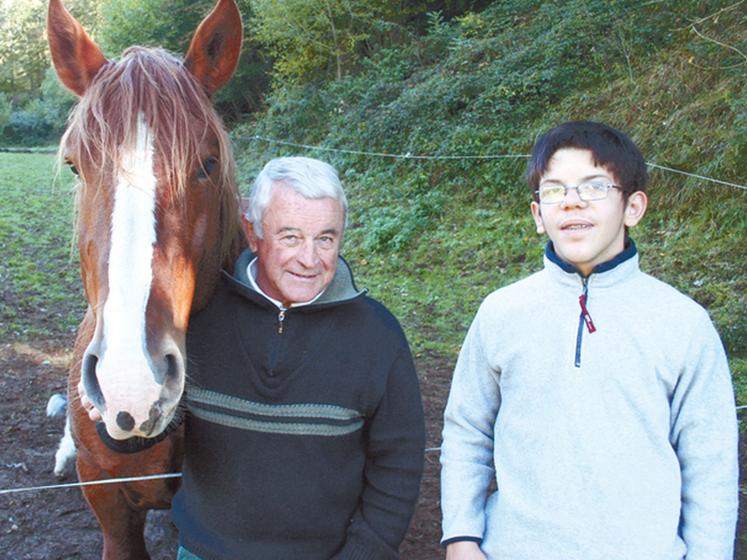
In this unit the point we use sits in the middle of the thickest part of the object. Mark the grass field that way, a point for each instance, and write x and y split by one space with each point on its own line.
40 293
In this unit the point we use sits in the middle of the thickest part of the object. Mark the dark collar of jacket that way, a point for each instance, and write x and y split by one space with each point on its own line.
342 289
627 253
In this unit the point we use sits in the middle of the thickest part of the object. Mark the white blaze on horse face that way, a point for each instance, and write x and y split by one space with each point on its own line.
124 371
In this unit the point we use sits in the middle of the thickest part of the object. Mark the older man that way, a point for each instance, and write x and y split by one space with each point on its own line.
305 435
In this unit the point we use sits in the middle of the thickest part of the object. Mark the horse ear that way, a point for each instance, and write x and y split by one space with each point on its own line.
214 52
75 56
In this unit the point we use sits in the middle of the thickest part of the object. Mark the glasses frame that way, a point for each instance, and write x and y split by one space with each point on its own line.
566 188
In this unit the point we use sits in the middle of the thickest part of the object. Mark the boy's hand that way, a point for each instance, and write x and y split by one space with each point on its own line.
86 403
464 550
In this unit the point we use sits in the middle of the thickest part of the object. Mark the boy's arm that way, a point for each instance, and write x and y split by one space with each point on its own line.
464 550
704 436
467 449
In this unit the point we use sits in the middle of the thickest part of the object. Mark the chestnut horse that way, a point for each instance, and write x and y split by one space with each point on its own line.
157 218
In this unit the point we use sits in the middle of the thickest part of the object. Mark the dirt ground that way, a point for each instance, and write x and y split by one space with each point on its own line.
56 524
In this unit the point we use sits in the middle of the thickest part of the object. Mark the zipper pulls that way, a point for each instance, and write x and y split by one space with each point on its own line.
585 312
584 318
281 318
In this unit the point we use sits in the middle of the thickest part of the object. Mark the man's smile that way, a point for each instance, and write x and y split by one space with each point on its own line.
301 276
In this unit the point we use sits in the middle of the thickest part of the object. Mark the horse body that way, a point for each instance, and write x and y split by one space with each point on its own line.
157 217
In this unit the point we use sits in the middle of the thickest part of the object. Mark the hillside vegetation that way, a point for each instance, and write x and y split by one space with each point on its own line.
431 238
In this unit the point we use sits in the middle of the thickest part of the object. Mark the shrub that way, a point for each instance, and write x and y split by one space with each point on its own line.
5 112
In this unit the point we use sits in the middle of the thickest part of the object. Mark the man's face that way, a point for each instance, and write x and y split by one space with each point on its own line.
297 258
585 233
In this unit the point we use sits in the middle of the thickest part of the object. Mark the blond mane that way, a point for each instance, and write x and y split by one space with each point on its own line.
155 84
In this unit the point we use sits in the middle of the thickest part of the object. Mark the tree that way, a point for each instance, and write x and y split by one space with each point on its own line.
170 24
306 37
5 111
23 58
162 23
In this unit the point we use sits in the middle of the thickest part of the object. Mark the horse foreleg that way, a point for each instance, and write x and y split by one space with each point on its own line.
56 407
121 524
65 452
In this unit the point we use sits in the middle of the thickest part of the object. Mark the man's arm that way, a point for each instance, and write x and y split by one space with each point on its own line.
704 436
86 403
467 449
394 465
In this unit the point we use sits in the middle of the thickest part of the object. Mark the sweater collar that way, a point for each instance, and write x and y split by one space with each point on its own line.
341 289
609 272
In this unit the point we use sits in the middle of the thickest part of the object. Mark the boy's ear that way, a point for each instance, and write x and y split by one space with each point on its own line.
537 215
635 208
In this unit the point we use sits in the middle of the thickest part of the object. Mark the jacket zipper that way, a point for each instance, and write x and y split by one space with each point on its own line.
281 318
583 319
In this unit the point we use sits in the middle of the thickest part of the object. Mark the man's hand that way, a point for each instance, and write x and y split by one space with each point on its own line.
86 403
464 550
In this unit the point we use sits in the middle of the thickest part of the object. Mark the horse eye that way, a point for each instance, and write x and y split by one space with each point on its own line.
207 167
72 167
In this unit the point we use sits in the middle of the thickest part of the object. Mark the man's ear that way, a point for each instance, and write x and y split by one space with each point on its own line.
251 235
635 208
537 215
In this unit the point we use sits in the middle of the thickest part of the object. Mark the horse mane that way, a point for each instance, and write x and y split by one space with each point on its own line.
155 84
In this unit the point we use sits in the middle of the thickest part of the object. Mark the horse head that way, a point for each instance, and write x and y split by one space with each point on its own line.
157 207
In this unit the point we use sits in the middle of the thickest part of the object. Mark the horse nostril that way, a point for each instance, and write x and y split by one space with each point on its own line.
154 415
90 381
171 368
125 421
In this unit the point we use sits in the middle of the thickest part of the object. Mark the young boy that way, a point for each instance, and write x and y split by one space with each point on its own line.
598 398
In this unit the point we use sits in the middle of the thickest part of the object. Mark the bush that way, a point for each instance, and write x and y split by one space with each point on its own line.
42 119
5 112
26 128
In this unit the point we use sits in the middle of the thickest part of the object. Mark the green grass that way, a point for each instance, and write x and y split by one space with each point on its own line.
40 293
739 374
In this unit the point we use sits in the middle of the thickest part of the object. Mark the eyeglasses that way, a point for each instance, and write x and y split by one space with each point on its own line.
593 190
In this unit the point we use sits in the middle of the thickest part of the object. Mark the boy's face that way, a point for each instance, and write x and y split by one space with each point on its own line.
585 233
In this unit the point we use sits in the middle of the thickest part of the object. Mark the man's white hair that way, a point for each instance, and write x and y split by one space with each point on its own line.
311 178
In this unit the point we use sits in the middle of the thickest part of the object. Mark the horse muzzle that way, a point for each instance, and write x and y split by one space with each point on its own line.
135 391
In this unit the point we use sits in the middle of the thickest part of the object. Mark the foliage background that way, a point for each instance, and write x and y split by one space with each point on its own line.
450 78
429 237
433 237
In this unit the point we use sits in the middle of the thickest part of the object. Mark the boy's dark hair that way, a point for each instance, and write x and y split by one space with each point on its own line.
609 147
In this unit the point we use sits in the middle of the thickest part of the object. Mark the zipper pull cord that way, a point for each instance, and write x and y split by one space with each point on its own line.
281 318
585 312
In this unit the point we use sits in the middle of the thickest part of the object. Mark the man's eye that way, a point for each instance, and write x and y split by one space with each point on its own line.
326 242
290 240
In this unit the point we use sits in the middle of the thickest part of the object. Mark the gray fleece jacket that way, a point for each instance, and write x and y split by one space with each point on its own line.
610 432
